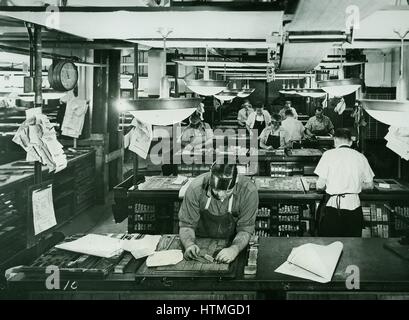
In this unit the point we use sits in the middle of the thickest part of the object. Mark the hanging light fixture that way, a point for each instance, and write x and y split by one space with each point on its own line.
307 91
163 110
392 112
227 94
341 87
206 86
245 91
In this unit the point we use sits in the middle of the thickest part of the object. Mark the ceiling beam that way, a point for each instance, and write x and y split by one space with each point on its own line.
182 6
77 44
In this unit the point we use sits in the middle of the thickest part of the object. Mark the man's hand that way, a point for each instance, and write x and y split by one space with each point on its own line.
192 252
227 255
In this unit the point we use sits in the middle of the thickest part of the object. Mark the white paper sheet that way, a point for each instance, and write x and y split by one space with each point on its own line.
38 138
94 245
141 138
398 141
32 112
141 247
164 258
43 210
74 117
313 262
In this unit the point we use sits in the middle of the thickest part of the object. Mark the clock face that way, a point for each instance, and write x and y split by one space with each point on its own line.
68 75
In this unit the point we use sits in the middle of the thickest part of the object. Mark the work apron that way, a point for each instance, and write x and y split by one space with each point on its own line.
259 126
217 226
322 208
273 141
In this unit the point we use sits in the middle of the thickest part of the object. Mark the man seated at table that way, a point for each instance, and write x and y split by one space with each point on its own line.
294 128
197 133
287 106
273 137
319 125
219 204
244 113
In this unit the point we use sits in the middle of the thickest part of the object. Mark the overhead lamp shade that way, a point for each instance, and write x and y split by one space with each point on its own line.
340 88
391 112
226 95
162 117
162 111
312 93
206 87
244 93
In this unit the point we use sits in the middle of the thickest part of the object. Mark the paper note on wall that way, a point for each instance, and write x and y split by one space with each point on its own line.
43 210
141 138
74 117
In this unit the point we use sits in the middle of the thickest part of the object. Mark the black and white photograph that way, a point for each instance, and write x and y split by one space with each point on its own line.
204 155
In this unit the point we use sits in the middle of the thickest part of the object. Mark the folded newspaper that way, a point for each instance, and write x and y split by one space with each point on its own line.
312 261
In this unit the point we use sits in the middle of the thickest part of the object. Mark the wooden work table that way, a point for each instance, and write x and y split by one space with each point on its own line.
381 273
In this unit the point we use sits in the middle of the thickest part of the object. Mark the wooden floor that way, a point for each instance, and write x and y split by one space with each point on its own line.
98 219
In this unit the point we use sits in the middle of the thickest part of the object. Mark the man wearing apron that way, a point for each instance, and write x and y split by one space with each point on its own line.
259 120
319 125
343 173
273 137
219 204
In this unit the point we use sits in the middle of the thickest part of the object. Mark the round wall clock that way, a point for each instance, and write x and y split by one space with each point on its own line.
63 75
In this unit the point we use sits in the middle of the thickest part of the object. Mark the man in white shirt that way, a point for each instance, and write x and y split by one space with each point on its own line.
244 113
287 106
343 173
258 120
294 128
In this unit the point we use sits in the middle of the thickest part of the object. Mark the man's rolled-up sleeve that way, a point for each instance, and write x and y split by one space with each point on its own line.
248 211
241 117
189 213
309 125
367 174
263 136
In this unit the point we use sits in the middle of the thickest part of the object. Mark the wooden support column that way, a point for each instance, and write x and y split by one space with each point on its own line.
135 96
38 80
115 135
105 121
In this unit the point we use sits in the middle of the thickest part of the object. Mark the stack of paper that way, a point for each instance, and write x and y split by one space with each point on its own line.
94 245
313 262
108 247
398 141
74 117
37 137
